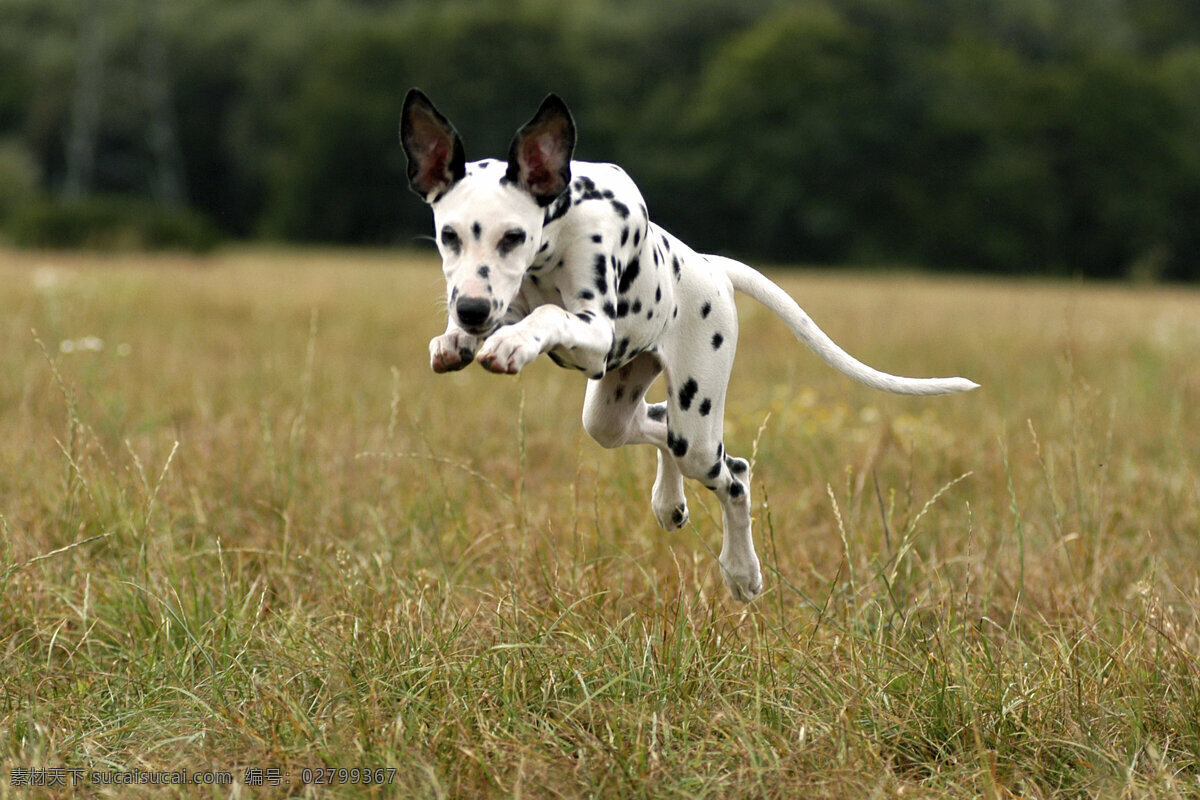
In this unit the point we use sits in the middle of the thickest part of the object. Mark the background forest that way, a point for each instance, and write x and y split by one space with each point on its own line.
1007 136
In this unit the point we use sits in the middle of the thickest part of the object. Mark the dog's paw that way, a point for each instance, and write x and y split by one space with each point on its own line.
743 577
672 517
667 500
452 351
509 350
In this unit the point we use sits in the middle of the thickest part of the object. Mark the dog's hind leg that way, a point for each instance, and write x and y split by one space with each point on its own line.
615 413
667 498
698 358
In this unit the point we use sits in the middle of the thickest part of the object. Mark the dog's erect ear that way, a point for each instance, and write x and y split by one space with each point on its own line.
539 159
436 160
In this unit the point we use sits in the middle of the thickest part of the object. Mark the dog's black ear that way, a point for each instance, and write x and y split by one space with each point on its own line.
436 160
539 159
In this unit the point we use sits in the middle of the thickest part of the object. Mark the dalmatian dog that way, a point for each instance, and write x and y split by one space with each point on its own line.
543 254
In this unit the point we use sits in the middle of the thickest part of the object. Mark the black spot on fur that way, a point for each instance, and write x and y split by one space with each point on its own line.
737 465
618 393
621 209
624 235
623 308
716 470
636 307
629 276
586 294
736 489
597 238
601 270
705 407
484 272
717 340
676 268
688 393
476 230
677 444
706 309
559 209
609 311
657 412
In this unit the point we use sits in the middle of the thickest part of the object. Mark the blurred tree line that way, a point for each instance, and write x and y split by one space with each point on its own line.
1011 136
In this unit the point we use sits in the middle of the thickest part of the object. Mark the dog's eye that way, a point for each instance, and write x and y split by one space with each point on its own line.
450 239
512 240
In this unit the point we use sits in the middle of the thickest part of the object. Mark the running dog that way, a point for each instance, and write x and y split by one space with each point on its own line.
543 254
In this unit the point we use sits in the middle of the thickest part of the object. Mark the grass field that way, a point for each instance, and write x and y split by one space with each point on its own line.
244 527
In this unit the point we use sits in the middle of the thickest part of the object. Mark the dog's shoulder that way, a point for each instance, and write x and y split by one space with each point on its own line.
602 176
600 188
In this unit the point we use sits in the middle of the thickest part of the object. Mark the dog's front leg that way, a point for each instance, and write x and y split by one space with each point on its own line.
512 347
453 350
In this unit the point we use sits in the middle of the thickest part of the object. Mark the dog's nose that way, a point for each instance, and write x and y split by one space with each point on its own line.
472 311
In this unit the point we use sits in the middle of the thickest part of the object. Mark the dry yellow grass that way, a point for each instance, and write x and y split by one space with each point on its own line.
245 526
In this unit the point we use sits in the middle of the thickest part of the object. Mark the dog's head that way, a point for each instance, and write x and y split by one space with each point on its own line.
487 216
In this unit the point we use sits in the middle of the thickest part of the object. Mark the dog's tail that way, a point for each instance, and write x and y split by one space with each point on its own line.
750 281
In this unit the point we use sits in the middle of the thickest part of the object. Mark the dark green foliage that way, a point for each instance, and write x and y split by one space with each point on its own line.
110 223
1012 136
